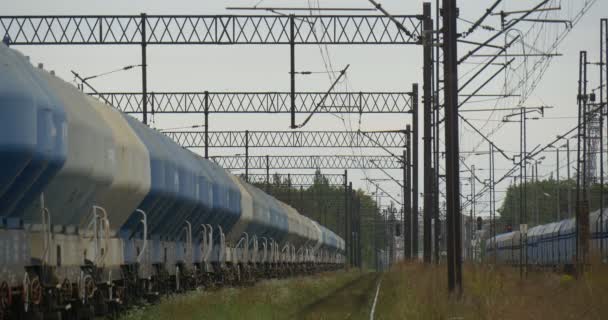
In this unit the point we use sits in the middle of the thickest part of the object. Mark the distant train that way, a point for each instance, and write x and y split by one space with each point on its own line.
98 210
549 245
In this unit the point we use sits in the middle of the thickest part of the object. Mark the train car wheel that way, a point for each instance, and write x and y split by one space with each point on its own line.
66 290
6 295
119 294
6 300
36 291
89 287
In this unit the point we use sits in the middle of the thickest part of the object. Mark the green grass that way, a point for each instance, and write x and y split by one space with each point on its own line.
272 299
413 291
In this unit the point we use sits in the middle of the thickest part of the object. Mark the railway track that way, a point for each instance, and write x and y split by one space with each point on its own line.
353 300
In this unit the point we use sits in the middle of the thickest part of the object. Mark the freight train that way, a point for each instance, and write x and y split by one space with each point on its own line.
98 210
550 245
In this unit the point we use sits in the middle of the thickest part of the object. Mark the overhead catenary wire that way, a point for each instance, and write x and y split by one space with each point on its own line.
511 25
125 68
535 153
533 72
322 101
523 81
85 82
388 194
328 64
479 22
399 25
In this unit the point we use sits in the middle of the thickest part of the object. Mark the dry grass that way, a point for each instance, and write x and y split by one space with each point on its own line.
274 299
413 291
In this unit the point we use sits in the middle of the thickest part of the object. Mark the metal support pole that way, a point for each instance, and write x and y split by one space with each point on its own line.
536 204
354 227
289 189
292 64
349 202
490 186
581 131
568 177
357 231
346 240
473 214
601 114
603 61
436 87
358 255
206 124
375 237
267 174
582 203
410 195
436 220
524 237
407 198
144 70
247 155
414 145
452 165
351 216
558 185
377 223
522 187
428 110
493 200
385 243
301 198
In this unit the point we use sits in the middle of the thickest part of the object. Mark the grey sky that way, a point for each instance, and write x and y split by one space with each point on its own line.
259 68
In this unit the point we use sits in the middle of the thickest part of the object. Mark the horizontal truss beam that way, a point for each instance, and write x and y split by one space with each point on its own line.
338 162
290 139
260 102
209 29
297 180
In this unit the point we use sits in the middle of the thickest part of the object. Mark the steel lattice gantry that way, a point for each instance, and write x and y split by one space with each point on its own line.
308 162
210 29
290 139
260 102
297 179
147 30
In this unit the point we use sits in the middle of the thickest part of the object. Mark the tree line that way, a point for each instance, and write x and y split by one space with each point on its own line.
546 201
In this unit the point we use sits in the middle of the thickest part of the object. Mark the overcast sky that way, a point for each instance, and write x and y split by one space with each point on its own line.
373 68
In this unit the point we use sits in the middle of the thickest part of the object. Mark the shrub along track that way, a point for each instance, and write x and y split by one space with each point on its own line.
350 301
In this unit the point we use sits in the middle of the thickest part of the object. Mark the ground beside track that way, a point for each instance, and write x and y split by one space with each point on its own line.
332 295
408 291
